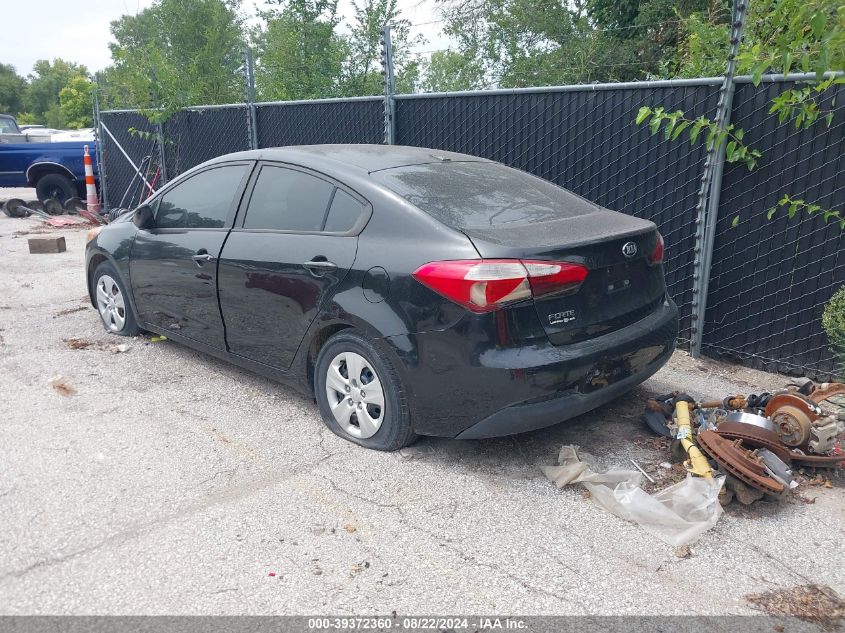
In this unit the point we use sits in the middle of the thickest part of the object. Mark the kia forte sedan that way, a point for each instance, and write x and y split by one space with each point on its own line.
411 291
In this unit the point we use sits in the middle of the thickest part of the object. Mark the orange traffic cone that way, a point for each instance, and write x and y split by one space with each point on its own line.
93 202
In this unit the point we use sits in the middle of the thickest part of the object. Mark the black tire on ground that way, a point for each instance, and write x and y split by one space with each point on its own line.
395 431
55 186
130 325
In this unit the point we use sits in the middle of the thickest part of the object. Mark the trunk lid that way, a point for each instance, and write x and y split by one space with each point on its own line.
619 289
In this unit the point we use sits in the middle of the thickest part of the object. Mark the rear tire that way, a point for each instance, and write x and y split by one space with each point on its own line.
54 186
360 395
112 302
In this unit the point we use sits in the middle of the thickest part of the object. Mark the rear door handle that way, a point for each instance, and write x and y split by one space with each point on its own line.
200 258
316 266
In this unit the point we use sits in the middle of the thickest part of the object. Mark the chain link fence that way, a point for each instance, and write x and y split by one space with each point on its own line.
769 280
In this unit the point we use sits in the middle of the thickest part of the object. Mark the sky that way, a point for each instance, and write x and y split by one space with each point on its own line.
79 31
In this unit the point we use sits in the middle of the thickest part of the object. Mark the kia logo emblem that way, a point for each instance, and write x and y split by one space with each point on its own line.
629 249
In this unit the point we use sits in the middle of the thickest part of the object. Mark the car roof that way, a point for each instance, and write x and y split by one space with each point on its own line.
336 159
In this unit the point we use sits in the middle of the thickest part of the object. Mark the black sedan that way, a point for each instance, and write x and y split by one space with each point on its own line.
412 291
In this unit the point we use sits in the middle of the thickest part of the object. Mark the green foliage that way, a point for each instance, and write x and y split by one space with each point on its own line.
803 104
362 67
833 321
704 46
780 36
299 55
804 35
450 71
12 90
76 102
675 124
514 43
794 205
27 118
164 61
45 84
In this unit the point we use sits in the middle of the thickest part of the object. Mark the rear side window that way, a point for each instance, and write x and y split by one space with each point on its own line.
202 201
467 195
344 213
287 200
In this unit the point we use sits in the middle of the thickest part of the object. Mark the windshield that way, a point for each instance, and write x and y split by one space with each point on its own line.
8 125
467 195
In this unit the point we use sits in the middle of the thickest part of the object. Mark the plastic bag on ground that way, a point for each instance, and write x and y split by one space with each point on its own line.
677 515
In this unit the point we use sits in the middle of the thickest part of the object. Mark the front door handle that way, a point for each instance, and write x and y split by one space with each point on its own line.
200 258
319 265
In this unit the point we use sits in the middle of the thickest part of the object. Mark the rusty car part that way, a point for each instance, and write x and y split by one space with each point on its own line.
793 417
826 390
816 461
698 463
740 462
754 436
731 403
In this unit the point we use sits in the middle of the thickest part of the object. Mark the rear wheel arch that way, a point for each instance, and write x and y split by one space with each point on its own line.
317 342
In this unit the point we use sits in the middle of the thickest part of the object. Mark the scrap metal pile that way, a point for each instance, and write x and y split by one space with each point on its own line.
755 440
74 212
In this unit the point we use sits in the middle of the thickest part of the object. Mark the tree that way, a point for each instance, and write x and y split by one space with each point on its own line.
299 54
12 90
782 35
544 42
449 71
176 53
45 84
76 102
362 74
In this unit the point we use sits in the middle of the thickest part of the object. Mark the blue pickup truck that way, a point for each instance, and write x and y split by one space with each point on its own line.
56 170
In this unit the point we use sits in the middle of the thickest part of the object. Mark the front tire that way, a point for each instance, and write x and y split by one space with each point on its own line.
360 395
112 302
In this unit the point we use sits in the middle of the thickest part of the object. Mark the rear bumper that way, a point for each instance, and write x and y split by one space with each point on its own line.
503 391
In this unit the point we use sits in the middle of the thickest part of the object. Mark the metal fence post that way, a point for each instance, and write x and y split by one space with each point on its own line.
248 70
389 86
161 154
98 137
707 211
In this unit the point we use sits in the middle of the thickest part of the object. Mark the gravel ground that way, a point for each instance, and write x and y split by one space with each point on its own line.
170 482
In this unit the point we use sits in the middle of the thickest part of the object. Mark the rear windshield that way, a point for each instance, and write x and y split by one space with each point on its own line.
476 195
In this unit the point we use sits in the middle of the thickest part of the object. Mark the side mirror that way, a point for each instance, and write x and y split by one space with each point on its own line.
144 218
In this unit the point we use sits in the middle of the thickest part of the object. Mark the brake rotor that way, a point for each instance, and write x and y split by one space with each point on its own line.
793 417
738 461
14 208
754 436
53 206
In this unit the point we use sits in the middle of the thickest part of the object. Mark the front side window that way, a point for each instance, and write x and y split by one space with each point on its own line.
287 200
202 201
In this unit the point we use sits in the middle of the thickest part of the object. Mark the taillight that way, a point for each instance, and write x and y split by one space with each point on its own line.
656 255
484 285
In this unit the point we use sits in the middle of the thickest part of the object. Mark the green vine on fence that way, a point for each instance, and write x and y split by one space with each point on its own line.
794 205
675 124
